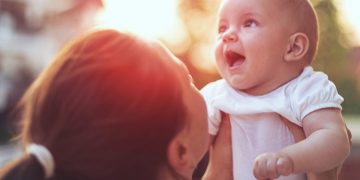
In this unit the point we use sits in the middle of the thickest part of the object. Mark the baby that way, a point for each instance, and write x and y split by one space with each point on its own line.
263 53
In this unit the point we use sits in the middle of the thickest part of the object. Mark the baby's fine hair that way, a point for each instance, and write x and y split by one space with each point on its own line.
306 21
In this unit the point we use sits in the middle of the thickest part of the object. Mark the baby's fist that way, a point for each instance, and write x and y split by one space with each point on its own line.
272 165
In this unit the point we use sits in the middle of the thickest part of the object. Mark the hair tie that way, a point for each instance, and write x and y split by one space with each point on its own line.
44 156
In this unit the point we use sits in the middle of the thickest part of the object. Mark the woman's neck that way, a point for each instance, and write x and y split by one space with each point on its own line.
168 173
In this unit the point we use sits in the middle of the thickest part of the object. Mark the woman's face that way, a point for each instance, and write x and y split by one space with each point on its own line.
196 124
196 127
197 118
194 135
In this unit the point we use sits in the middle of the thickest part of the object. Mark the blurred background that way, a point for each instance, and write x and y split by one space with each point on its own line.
32 31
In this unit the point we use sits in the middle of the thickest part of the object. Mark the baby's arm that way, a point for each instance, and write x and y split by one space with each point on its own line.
326 146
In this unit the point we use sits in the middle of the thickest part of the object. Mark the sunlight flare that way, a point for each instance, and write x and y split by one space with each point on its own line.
351 15
151 19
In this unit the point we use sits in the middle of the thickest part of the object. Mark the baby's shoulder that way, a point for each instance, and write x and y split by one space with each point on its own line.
311 82
312 91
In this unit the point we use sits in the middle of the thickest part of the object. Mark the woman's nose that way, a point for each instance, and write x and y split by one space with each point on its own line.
230 37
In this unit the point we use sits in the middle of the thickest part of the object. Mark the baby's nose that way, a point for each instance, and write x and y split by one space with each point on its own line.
229 37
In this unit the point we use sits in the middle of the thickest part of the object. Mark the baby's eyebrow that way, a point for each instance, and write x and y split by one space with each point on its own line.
252 14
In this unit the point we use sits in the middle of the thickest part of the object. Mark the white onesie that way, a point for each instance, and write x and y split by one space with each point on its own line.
256 125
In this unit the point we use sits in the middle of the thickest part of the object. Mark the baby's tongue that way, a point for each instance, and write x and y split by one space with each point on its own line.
238 62
234 58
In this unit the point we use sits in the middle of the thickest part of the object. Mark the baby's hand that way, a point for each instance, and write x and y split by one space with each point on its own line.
272 165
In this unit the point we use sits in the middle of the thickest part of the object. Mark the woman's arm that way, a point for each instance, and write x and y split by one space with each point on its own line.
220 160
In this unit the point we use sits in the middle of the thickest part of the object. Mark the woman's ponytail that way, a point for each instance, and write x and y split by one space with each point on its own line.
27 167
37 163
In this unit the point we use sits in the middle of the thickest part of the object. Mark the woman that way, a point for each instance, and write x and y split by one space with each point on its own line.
112 106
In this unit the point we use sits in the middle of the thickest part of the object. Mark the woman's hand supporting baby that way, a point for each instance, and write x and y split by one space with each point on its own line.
220 163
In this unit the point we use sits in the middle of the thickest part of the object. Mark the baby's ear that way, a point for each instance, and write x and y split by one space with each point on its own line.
179 157
297 47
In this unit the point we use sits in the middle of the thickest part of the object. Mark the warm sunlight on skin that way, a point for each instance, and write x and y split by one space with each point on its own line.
351 14
147 18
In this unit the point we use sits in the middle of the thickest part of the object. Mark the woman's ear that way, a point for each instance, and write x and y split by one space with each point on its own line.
297 48
179 157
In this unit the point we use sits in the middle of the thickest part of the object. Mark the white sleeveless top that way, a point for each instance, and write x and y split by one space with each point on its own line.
256 120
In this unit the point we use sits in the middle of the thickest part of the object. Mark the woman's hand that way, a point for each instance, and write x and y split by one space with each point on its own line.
220 160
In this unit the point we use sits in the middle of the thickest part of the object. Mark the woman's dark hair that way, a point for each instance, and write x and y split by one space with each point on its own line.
106 108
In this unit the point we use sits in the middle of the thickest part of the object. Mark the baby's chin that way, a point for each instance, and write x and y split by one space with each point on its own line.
247 88
237 83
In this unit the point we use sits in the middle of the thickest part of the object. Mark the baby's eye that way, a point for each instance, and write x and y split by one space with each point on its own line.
222 28
250 23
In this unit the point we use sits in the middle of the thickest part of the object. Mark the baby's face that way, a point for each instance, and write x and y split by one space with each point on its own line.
252 39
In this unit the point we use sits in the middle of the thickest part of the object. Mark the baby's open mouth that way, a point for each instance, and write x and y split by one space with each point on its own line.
234 59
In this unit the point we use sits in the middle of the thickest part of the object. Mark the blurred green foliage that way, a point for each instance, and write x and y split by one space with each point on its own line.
332 57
